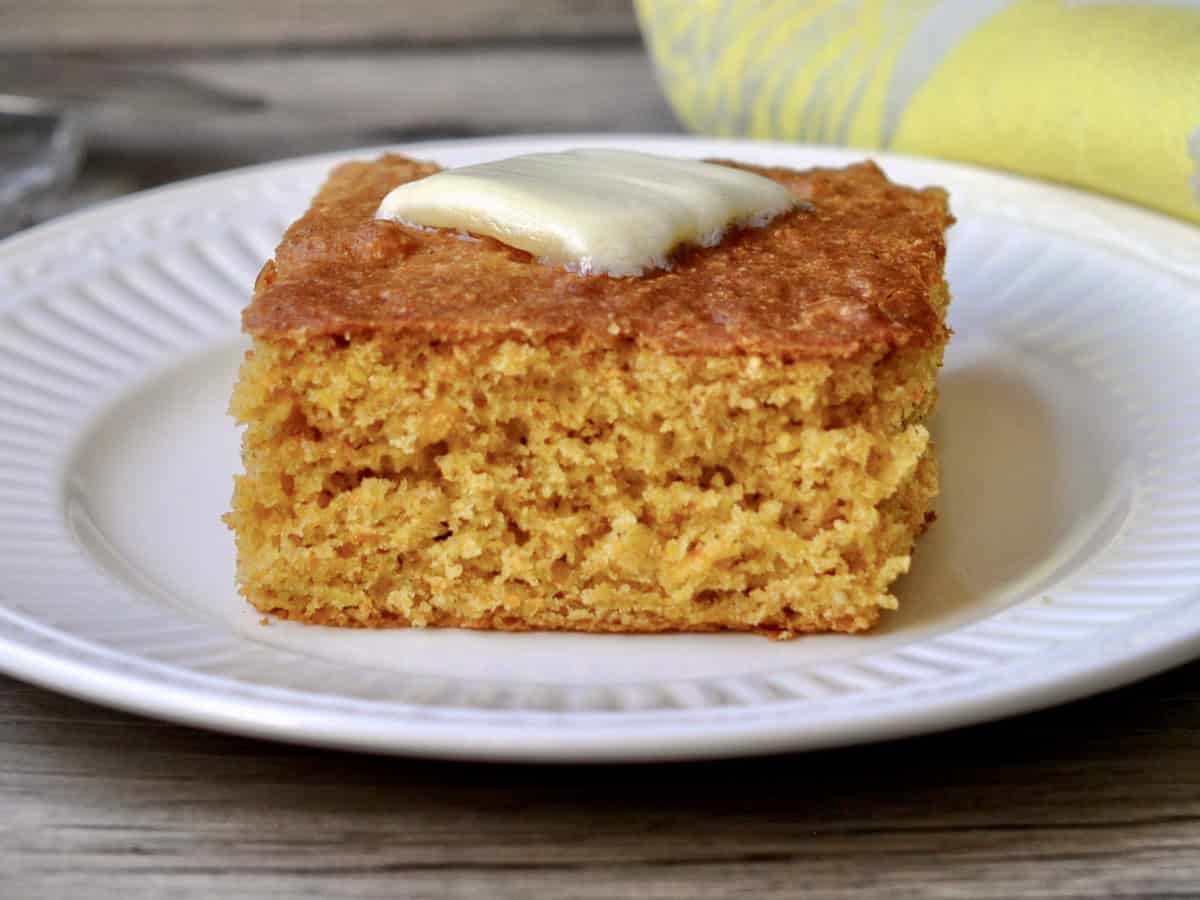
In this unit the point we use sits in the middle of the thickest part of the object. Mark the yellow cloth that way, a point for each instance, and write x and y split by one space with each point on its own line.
1105 95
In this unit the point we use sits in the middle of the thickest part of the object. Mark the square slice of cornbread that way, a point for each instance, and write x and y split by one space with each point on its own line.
445 432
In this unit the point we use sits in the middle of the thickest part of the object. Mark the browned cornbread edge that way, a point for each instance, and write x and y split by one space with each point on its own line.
848 276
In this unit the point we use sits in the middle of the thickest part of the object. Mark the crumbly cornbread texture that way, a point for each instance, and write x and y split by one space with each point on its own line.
447 433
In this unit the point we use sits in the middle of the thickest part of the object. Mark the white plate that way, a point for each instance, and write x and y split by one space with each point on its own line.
1066 558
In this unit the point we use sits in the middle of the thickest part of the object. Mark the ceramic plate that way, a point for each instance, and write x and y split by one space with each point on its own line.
1066 557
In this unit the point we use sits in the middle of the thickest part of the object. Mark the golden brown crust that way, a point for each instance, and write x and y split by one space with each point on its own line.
862 619
851 275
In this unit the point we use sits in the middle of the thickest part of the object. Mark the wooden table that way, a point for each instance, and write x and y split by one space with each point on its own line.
1097 799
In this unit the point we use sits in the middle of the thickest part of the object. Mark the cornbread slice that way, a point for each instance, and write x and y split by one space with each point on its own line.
443 432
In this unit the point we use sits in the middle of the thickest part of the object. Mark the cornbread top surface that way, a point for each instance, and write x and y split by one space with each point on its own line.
852 274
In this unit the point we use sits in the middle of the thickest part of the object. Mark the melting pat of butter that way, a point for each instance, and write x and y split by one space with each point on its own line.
611 212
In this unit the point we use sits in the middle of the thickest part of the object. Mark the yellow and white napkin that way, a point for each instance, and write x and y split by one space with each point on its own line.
1104 95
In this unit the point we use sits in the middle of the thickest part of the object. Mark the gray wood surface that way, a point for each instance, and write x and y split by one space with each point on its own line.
157 25
1097 799
314 98
323 100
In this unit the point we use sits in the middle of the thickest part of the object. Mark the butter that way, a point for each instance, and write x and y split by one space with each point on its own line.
613 212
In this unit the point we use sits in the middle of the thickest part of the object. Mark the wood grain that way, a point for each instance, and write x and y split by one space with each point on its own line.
159 25
394 94
334 99
1097 799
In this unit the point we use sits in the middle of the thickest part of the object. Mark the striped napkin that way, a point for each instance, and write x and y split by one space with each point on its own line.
1103 94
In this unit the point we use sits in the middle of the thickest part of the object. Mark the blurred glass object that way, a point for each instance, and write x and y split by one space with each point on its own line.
40 151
